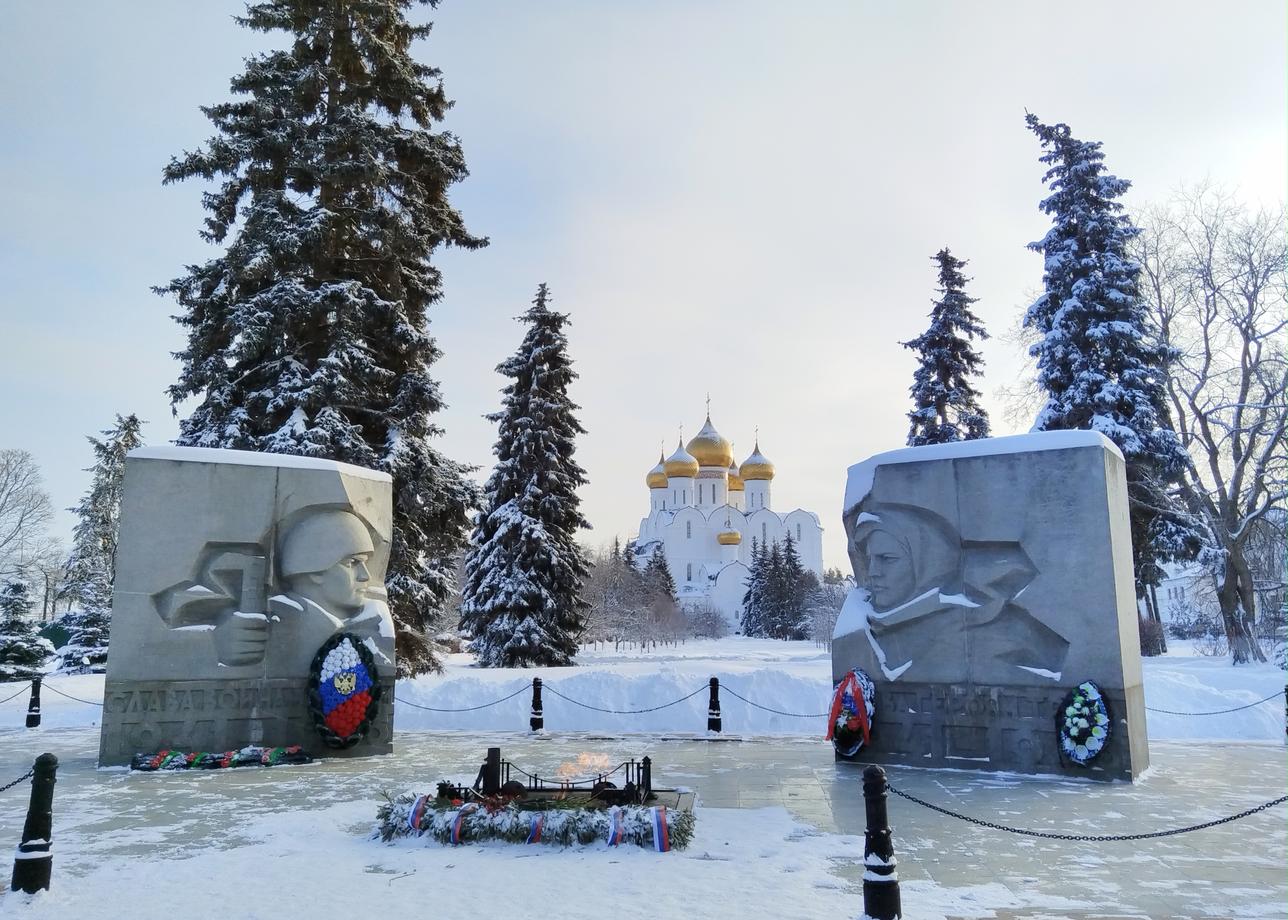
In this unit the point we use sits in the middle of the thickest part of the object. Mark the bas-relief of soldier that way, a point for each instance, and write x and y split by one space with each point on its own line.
940 611
326 584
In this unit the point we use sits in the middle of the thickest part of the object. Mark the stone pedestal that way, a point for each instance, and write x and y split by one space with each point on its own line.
233 568
994 576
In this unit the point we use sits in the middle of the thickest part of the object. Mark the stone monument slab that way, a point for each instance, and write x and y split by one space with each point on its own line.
993 577
233 569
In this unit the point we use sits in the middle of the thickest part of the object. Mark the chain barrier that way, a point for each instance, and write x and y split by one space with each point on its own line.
28 775
1087 838
1217 712
794 715
620 712
69 696
570 781
15 696
523 689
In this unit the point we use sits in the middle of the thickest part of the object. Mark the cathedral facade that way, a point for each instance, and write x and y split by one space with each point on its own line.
705 512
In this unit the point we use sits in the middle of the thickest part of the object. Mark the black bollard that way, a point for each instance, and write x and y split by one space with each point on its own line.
537 722
492 772
880 881
35 857
713 706
646 779
33 708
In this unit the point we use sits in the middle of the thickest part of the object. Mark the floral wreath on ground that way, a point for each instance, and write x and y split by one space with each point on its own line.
854 709
1084 723
507 818
253 756
344 691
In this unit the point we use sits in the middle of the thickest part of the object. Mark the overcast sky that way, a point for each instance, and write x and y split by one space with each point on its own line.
736 198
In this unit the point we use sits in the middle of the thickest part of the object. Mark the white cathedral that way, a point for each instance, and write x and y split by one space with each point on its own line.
705 511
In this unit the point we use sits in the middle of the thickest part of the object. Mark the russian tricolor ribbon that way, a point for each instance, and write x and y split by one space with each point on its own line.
417 813
616 828
661 836
458 823
535 822
849 683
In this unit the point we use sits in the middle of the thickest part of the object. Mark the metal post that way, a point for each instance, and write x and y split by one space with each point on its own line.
880 881
537 722
713 706
492 772
35 857
33 708
646 779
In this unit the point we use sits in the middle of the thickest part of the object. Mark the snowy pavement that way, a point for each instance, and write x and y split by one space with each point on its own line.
779 827
779 823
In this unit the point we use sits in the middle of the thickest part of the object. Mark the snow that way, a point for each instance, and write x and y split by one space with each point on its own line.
859 481
244 843
254 458
789 676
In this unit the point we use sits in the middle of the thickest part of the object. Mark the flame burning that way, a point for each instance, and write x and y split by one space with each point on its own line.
586 764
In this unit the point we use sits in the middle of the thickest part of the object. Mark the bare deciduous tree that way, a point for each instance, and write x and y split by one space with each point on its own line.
1215 277
25 510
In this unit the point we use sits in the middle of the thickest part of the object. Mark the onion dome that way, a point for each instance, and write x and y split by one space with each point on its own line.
728 537
710 448
681 464
735 480
656 478
757 466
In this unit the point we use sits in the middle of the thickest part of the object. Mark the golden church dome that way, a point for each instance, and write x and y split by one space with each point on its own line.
757 466
735 479
681 464
656 478
710 448
729 537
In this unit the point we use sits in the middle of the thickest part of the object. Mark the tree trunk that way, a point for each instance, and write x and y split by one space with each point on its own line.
1151 604
1227 595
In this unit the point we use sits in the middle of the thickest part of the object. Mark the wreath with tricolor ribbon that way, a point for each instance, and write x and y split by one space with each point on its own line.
344 690
854 709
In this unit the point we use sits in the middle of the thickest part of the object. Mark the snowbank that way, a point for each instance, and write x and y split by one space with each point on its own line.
792 677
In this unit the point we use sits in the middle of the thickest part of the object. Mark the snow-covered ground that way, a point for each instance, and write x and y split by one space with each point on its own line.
777 822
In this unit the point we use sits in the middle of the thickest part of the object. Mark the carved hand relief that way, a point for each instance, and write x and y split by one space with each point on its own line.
942 609
323 584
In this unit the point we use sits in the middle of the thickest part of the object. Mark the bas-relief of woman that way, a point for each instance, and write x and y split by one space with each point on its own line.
941 612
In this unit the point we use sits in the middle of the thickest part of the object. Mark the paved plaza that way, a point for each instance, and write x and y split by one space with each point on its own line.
1236 869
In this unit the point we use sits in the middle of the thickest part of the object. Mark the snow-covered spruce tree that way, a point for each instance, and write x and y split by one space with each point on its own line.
309 334
1099 359
22 652
92 565
795 586
945 403
751 619
657 573
522 599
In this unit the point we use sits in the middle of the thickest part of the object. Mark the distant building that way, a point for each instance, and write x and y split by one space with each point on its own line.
705 511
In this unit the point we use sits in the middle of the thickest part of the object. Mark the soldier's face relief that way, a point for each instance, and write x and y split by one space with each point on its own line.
343 587
891 577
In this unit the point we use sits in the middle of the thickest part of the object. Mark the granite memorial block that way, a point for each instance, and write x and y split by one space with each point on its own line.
993 577
233 569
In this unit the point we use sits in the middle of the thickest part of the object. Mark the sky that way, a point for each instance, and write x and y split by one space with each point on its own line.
738 199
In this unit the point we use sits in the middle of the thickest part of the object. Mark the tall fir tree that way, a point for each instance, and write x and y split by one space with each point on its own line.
309 334
796 584
91 567
945 403
1100 361
22 652
522 598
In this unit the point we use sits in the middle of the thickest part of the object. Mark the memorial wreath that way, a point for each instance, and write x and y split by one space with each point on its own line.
1084 723
854 709
344 691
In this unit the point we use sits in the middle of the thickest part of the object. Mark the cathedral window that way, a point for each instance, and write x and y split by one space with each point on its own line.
688 572
764 532
688 530
798 533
